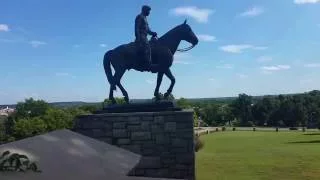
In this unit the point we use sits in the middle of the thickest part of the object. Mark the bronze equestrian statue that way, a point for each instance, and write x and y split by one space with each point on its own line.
128 56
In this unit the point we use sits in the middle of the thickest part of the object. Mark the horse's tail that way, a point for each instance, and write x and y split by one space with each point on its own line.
107 68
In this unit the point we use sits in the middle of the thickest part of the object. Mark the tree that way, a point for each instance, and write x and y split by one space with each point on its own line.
195 119
89 108
29 127
241 108
224 115
9 125
3 120
57 119
209 114
265 111
183 103
300 114
31 108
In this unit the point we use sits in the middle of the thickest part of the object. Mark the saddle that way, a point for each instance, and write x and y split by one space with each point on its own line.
136 52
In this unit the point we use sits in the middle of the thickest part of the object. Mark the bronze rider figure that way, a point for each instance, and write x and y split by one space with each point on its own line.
142 30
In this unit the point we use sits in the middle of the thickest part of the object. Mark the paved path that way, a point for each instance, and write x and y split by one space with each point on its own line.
205 129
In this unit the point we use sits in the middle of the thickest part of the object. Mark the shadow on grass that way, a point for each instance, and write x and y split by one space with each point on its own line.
312 134
304 142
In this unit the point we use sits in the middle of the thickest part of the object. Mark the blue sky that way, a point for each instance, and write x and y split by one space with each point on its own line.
53 50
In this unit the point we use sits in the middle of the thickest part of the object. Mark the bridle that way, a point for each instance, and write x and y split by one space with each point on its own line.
186 49
180 50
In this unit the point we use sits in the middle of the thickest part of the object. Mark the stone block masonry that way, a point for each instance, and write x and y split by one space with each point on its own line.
164 139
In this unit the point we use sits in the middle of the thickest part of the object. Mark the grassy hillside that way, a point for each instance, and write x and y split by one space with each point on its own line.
259 155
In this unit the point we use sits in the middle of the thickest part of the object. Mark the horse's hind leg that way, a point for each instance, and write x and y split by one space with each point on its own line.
159 80
173 81
117 77
112 87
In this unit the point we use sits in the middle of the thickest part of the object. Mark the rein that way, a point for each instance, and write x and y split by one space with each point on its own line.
185 49
180 50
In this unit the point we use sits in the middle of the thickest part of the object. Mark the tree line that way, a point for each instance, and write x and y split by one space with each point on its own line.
34 117
298 110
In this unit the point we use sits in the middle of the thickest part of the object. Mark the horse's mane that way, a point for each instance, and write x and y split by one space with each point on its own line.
171 31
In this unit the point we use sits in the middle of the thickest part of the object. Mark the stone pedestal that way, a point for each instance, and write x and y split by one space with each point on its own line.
164 139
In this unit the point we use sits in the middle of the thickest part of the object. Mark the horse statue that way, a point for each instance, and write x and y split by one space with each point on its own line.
126 57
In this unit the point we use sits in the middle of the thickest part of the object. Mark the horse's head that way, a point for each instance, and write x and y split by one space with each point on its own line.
187 34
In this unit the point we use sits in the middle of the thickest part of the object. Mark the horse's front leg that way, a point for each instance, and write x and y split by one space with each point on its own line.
173 81
159 80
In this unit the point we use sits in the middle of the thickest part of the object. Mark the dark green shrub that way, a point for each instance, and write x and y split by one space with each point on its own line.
293 128
217 129
277 129
254 129
233 129
223 128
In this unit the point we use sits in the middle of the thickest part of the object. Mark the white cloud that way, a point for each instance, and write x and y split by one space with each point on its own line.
4 27
240 48
275 68
262 59
206 37
212 79
312 65
226 66
103 45
306 1
242 76
200 15
37 43
235 48
254 11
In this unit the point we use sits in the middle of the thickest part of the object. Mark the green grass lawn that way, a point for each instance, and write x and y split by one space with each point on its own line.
259 156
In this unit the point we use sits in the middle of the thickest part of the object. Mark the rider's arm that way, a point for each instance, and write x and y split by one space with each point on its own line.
149 31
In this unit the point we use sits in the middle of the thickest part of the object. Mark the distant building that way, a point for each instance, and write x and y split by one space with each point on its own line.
6 111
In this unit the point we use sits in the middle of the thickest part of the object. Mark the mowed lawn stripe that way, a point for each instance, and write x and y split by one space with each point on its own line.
259 155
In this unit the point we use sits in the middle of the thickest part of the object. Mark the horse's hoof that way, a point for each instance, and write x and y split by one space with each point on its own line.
166 95
126 99
157 98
